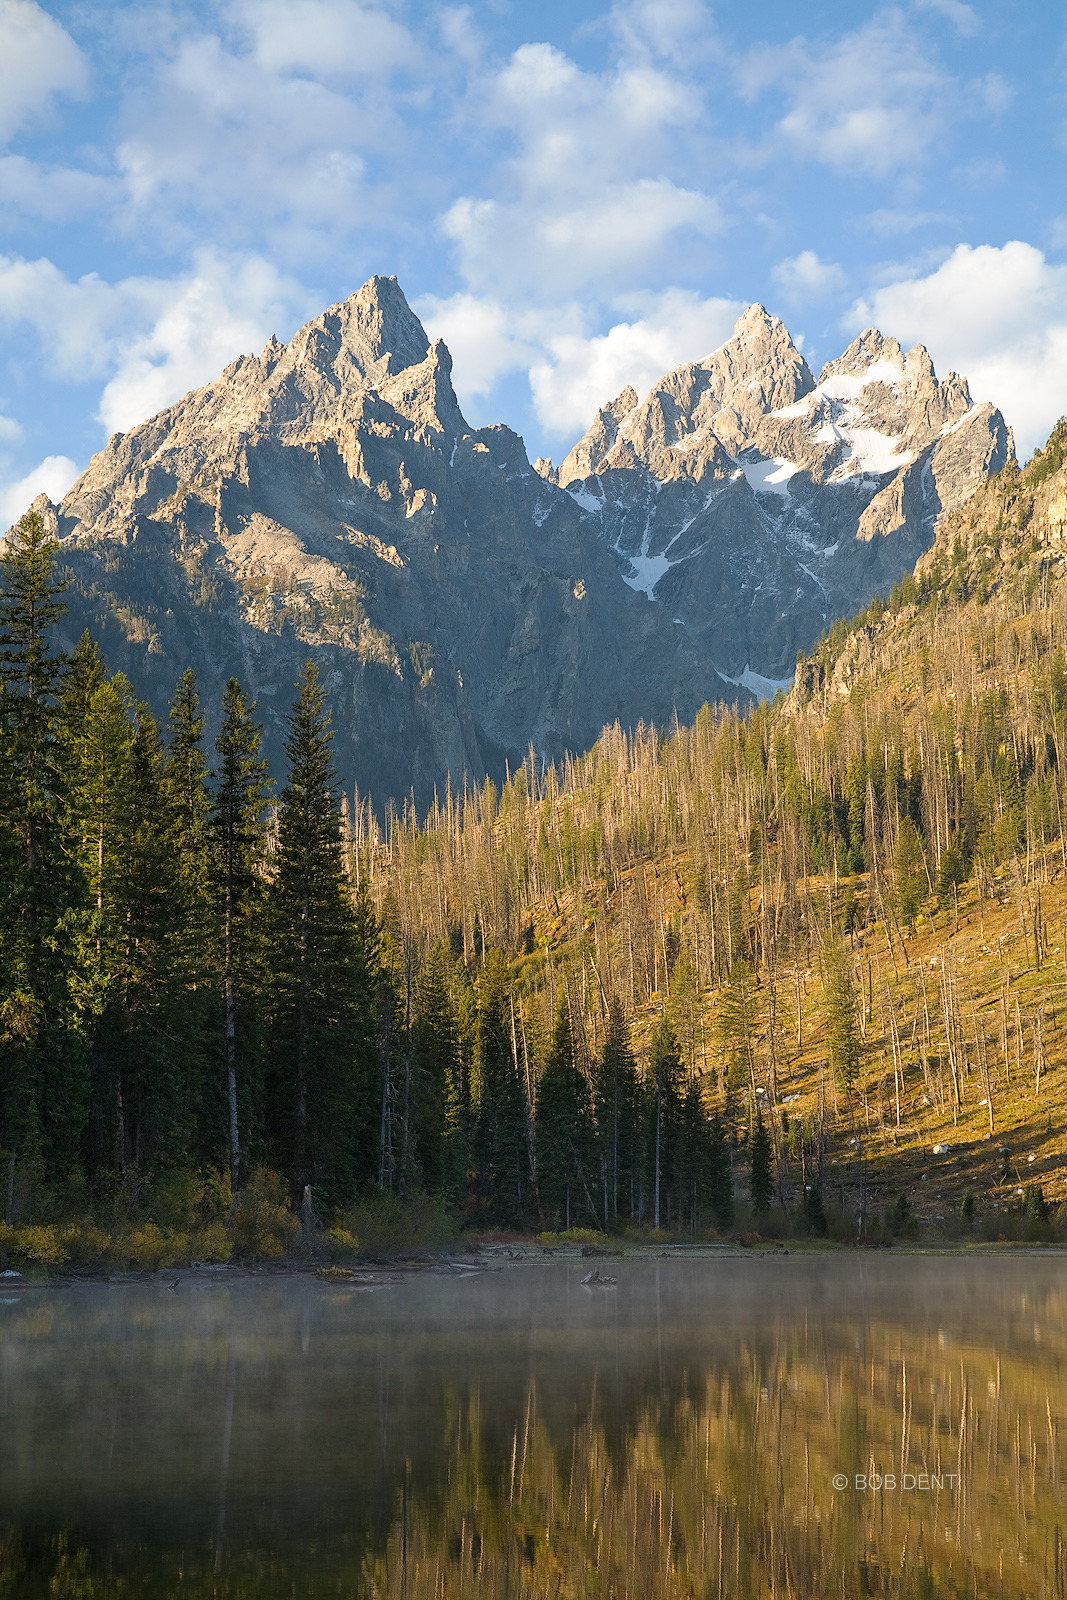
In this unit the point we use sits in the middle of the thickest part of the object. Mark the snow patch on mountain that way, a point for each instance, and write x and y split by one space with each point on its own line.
770 476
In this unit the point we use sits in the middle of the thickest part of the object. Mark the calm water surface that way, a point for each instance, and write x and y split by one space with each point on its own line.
517 1434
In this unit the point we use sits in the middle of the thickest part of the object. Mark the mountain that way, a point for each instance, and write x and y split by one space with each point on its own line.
328 497
758 505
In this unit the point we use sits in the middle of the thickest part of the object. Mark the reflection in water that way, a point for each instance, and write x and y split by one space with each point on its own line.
515 1434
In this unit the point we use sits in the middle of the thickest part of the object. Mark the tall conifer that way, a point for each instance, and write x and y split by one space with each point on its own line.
322 995
237 837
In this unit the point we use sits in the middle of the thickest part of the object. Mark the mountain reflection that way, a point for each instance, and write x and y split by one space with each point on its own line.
516 1434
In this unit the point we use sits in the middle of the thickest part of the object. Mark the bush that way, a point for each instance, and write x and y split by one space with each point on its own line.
386 1224
341 1243
150 1248
262 1223
42 1246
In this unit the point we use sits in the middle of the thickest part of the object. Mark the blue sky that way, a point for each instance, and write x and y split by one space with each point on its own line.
575 196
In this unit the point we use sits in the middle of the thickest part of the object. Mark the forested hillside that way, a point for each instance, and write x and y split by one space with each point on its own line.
808 961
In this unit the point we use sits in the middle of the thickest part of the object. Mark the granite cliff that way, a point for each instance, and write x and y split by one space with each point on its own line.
328 497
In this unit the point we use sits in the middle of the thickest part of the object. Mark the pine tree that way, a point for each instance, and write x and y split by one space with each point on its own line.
237 838
842 1022
720 1176
438 1147
501 1160
43 1068
760 1179
617 1106
566 1141
664 1098
321 1016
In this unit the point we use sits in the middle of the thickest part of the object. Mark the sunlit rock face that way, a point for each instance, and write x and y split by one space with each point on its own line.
327 497
757 505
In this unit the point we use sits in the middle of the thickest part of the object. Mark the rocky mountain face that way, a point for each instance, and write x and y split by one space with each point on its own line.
756 504
327 497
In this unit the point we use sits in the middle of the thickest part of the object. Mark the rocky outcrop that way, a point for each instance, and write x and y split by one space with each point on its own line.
757 504
327 497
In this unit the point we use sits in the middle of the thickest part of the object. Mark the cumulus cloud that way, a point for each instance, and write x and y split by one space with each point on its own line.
38 59
152 339
999 315
602 242
578 374
571 370
583 200
871 102
327 39
53 477
485 340
201 323
804 277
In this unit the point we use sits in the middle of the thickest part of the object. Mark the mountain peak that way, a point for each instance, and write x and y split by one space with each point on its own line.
370 336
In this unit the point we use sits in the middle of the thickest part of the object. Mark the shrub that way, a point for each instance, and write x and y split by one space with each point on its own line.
342 1243
46 1246
385 1224
150 1248
262 1223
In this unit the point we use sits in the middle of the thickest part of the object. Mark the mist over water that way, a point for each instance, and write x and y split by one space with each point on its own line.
516 1433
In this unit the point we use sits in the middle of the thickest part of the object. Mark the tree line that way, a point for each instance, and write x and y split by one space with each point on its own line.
195 973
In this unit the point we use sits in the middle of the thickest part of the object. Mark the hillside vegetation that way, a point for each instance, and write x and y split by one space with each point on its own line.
802 966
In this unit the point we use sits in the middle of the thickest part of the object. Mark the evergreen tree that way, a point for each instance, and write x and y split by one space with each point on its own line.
438 1134
814 1214
760 1179
843 1035
500 1151
693 1182
664 1101
737 1018
322 1013
237 836
617 1106
43 1067
566 1140
720 1176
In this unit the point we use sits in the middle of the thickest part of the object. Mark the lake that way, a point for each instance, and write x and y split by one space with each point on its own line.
787 1425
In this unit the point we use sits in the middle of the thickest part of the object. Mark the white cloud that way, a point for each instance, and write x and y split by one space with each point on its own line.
152 338
805 277
548 251
585 199
998 315
203 322
572 371
53 194
10 430
483 338
579 374
327 38
38 59
871 102
53 477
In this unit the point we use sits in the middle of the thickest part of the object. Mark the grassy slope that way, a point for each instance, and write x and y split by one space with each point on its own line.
996 605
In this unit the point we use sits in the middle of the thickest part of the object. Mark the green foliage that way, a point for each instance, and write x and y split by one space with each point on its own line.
814 1213
321 1017
262 1222
842 1023
760 1178
384 1224
565 1133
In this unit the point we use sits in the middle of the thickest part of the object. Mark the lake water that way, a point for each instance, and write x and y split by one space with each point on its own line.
514 1433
